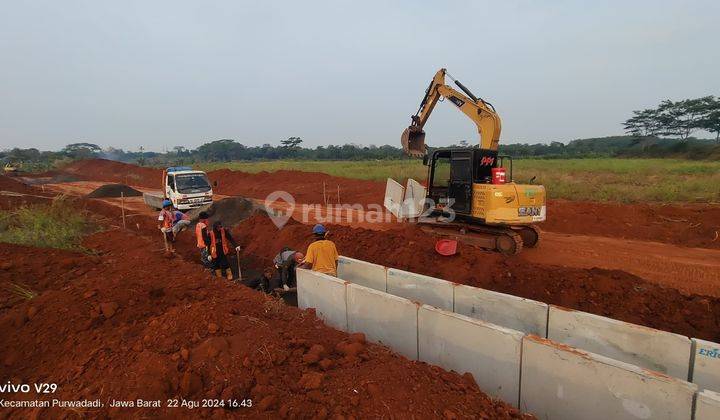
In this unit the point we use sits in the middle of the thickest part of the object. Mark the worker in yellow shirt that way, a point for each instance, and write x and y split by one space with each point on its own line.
321 255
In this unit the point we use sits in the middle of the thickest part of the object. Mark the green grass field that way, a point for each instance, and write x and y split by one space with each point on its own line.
622 180
57 225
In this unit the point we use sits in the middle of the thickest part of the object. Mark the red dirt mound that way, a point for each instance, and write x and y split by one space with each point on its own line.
609 293
112 171
128 324
306 187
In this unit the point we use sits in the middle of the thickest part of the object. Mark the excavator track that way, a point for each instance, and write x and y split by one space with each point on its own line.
530 234
505 240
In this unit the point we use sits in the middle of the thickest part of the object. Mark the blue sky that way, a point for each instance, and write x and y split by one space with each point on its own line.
167 73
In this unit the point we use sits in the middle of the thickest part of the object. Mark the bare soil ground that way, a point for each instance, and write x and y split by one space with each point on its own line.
128 323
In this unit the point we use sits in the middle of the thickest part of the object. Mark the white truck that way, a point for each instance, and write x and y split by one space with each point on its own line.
186 188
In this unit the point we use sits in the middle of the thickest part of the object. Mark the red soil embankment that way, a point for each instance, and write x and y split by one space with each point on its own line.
128 323
692 225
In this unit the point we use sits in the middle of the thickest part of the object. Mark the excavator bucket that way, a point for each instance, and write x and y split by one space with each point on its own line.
413 141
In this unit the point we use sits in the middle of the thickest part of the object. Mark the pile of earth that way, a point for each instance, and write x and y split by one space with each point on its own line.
124 323
230 211
118 172
610 293
305 187
114 190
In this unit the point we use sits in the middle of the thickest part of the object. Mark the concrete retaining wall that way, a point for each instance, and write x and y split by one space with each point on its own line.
384 318
456 342
652 349
707 406
423 289
559 382
363 273
324 293
706 365
528 316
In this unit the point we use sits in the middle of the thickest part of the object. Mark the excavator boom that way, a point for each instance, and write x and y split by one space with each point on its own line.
480 112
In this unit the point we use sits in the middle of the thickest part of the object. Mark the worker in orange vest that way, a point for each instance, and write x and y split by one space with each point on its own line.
165 224
203 238
220 246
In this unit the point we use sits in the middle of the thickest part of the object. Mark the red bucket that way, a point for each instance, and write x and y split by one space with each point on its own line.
446 247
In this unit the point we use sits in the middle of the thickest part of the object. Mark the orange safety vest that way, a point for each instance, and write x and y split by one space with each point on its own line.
198 234
213 243
167 218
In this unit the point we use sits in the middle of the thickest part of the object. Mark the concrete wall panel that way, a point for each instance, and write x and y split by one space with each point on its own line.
456 342
706 365
414 202
384 318
394 196
559 382
528 316
652 349
707 406
324 293
363 273
423 289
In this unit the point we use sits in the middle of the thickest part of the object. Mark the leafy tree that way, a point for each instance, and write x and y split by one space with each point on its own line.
291 143
711 120
81 150
682 118
644 123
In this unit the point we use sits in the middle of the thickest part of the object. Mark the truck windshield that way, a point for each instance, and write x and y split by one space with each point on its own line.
192 183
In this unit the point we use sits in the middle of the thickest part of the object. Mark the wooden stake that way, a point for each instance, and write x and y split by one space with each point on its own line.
338 193
122 206
324 195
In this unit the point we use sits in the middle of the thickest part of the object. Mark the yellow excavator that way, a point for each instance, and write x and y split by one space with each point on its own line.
469 193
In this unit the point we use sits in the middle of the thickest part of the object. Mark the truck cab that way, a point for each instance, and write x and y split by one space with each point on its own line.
187 188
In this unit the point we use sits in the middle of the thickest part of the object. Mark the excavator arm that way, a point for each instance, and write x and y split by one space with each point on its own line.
482 113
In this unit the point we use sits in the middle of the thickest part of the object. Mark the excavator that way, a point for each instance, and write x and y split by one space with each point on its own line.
470 195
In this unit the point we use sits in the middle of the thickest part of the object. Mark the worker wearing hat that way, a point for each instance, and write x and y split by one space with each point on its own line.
322 255
165 224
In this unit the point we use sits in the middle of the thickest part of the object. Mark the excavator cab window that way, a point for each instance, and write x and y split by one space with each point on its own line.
441 171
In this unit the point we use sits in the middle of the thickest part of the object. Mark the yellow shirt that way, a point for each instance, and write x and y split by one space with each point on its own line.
323 256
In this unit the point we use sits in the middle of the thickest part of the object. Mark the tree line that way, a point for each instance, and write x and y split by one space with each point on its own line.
677 118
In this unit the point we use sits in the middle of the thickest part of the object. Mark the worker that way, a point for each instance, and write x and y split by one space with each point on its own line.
203 238
181 221
285 263
220 241
321 255
264 283
165 224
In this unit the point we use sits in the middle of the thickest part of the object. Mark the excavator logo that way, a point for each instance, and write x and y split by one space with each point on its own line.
457 101
487 161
